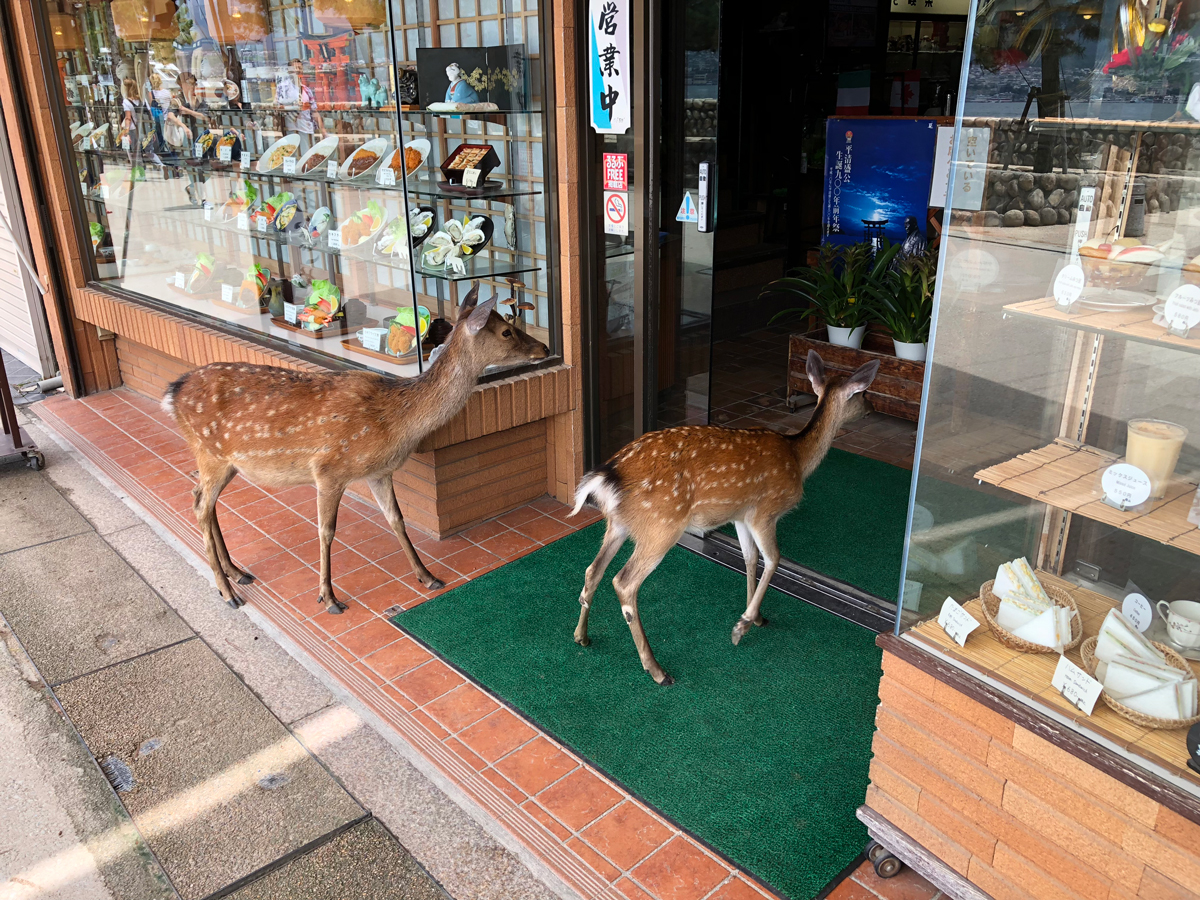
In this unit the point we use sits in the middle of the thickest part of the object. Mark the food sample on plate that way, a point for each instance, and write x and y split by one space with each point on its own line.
1136 674
412 160
362 160
275 158
1026 610
254 286
233 141
202 273
287 216
402 329
319 223
468 156
240 201
1122 263
363 224
323 306
205 140
393 239
96 232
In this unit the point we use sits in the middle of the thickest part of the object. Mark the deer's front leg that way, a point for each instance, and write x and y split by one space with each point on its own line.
750 555
385 495
764 536
645 560
213 476
328 499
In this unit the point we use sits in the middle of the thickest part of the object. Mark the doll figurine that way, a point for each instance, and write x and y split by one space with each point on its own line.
459 91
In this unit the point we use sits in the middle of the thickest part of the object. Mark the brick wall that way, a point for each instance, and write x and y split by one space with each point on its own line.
145 370
1014 814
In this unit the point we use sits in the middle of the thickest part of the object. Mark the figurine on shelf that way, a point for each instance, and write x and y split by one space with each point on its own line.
459 91
364 90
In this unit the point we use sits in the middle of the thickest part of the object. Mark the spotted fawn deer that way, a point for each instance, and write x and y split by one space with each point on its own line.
281 427
702 477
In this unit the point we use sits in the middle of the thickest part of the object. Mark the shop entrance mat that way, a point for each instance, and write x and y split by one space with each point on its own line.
760 750
850 524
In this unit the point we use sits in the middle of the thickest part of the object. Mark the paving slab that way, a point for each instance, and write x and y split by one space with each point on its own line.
77 606
219 787
32 511
363 861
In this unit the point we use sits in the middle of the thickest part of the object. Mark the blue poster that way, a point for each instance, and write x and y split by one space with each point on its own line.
876 171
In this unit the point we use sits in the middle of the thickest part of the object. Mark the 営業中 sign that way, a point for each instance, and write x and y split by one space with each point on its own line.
608 73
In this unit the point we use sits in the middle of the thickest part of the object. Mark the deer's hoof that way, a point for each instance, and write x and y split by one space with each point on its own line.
245 578
762 620
236 602
667 680
436 584
739 630
335 608
584 641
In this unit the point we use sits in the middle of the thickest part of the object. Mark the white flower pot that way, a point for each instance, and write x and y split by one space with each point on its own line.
914 352
846 337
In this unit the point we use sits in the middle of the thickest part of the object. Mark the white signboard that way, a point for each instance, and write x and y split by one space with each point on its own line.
227 293
331 168
616 213
1079 688
1182 310
956 621
1136 608
471 177
609 68
1068 285
970 173
289 166
943 155
224 154
1125 485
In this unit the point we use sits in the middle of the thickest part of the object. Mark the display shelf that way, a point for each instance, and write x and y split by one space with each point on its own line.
1053 125
480 268
1028 675
1136 324
1066 475
482 114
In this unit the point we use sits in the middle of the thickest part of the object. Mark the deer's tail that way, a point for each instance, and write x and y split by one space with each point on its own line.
602 488
172 391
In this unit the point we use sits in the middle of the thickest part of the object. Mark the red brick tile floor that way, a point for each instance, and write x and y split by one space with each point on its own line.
595 836
864 884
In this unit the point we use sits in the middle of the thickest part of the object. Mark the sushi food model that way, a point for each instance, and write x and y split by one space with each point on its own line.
1026 611
1136 674
254 287
402 329
324 306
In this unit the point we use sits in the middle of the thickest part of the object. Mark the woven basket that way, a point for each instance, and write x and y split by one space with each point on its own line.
991 608
1088 652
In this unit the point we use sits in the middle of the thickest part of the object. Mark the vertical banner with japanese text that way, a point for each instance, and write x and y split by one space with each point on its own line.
610 62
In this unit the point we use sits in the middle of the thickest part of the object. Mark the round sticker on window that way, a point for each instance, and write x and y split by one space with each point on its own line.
1125 485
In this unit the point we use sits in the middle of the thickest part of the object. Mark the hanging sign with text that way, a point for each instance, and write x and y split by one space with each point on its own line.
608 72
616 172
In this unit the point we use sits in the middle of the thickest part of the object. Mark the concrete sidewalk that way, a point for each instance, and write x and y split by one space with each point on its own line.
155 743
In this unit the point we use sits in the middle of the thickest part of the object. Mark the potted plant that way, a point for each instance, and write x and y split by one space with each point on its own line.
903 301
839 289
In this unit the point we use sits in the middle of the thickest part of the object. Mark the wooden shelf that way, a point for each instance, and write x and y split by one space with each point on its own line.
1120 125
1066 475
1029 674
1136 323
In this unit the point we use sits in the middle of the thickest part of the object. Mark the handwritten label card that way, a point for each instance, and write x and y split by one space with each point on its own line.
290 311
225 154
331 169
245 160
471 177
1137 609
375 339
227 293
1125 485
243 222
180 280
104 191
1068 285
198 149
262 223
335 239
956 621
208 214
1079 688
1182 310
125 144
289 166
386 176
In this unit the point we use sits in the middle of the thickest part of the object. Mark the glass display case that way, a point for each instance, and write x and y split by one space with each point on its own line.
325 173
1062 420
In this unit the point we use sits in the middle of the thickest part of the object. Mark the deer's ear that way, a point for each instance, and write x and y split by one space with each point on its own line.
862 377
469 302
479 317
816 372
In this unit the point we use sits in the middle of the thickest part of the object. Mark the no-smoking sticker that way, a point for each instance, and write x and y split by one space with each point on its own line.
616 213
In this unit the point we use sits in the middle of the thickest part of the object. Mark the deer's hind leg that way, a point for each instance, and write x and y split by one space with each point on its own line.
763 533
214 474
614 537
328 498
750 556
645 559
384 492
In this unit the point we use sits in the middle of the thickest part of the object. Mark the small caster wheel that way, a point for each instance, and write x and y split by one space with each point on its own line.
36 460
876 850
887 866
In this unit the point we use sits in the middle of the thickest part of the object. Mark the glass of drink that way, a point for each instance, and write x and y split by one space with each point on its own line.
1153 446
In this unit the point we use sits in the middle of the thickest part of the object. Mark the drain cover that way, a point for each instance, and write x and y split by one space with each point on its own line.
119 775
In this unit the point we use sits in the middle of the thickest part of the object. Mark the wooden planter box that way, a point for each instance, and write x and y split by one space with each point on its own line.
896 390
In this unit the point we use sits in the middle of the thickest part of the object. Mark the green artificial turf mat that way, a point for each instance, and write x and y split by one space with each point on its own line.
760 750
850 524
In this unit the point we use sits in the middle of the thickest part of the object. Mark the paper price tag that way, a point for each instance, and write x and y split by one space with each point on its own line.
180 280
1079 688
198 149
956 621
290 311
1137 609
1182 310
1125 485
375 339
227 293
208 214
1087 197
1068 285
125 143
224 154
262 223
289 166
104 191
243 222
245 160
385 176
471 178
331 169
335 239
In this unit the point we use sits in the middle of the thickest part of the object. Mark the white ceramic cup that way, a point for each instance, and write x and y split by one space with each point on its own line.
1183 622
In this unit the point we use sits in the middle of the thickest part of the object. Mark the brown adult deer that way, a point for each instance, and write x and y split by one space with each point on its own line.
281 427
703 477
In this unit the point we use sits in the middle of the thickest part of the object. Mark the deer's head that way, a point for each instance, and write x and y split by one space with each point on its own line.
490 340
846 393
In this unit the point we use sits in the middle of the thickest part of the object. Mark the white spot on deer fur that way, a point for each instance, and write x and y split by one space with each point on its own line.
646 504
